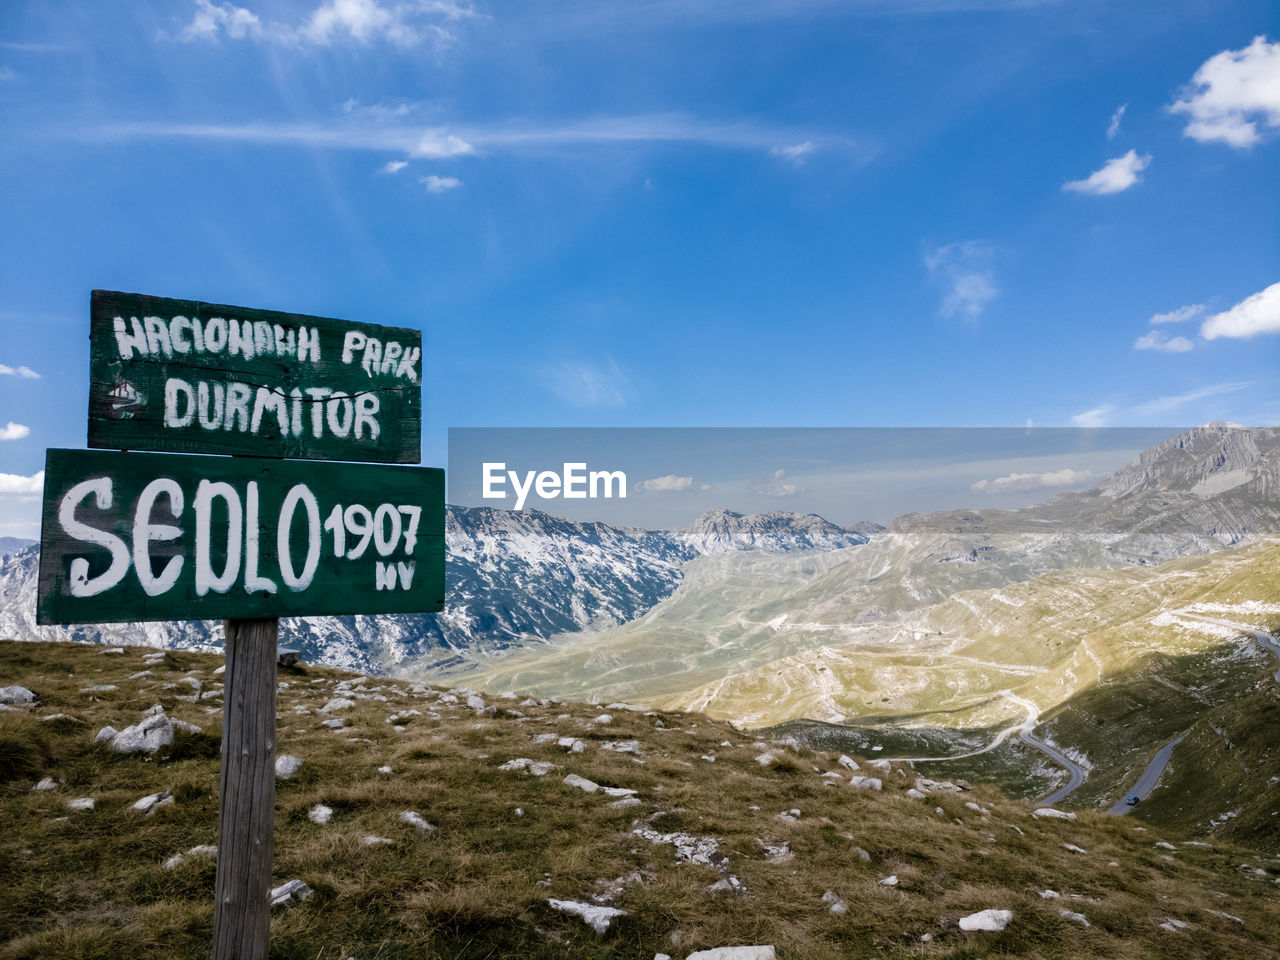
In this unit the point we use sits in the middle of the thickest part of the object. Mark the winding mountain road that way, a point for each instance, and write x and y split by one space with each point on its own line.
1147 782
1075 772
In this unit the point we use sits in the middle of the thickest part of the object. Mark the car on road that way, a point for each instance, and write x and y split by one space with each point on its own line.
1132 801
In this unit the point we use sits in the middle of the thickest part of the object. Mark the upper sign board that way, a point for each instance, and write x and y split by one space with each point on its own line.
188 377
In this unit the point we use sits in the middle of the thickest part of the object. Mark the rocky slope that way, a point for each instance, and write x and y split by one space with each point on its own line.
418 821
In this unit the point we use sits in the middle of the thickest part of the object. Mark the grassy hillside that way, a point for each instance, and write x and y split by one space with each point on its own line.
93 883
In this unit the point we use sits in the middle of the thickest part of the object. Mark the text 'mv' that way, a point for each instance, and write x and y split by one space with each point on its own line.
190 377
137 536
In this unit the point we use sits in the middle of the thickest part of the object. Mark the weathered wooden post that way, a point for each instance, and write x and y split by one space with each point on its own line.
247 795
139 536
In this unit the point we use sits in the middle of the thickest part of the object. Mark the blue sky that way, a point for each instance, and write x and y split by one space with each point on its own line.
704 213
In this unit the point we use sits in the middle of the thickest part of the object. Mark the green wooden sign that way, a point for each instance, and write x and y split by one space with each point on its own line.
138 536
190 377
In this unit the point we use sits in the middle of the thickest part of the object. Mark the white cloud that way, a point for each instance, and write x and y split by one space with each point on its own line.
14 431
24 372
395 166
795 152
1113 127
587 384
13 483
402 24
436 184
1257 314
211 18
1155 340
1233 94
704 486
1017 482
1116 175
1097 417
440 145
1182 314
775 487
966 270
665 484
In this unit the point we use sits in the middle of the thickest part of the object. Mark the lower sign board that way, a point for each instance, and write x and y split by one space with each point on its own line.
137 536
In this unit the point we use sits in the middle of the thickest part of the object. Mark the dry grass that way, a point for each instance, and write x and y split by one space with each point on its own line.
92 884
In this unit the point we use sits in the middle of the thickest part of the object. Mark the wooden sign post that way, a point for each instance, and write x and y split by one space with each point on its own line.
248 538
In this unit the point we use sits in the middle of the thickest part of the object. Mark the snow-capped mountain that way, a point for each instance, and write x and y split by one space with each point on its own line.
512 578
721 530
10 545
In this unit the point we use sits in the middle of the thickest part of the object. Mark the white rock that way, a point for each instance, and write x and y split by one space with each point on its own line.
1041 813
81 803
16 694
991 921
604 718
336 704
838 906
174 862
734 953
140 674
1165 845
848 763
582 783
150 735
596 917
106 733
287 766
915 794
295 891
1174 926
337 723
977 808
153 802
571 743
624 802
98 688
189 727
223 669
385 771
320 814
728 885
415 820
1074 849
890 881
369 840
861 854
519 763
1079 918
866 783
48 783
1049 895
881 765
112 650
764 759
540 768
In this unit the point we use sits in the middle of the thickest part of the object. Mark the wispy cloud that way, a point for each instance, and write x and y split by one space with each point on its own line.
1234 97
1018 482
1254 315
362 22
25 372
360 131
395 166
1170 404
582 383
1113 127
967 271
1156 340
1116 175
1181 315
777 486
435 184
15 484
1099 416
796 152
14 431
668 484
